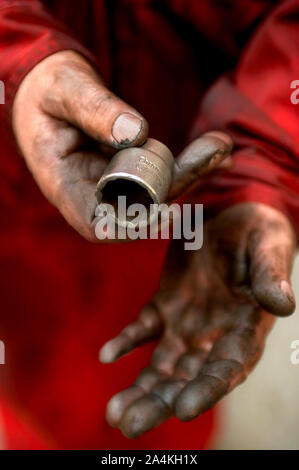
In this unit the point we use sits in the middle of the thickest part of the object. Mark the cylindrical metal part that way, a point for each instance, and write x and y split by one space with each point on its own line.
141 174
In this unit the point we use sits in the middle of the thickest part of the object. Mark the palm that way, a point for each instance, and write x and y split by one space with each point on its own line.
211 325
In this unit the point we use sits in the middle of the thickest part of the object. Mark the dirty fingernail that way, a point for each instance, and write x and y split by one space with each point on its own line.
126 128
287 290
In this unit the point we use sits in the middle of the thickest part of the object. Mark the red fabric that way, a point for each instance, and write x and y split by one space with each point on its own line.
253 103
61 297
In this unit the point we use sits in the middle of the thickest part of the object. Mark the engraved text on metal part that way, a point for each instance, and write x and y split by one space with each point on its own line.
145 163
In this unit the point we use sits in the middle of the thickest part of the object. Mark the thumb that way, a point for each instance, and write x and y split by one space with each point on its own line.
78 96
271 249
201 156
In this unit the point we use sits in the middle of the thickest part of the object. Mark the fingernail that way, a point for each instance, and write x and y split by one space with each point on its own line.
106 354
126 128
216 160
286 290
223 137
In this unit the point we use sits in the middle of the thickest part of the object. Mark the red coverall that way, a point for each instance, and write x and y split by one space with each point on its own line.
61 297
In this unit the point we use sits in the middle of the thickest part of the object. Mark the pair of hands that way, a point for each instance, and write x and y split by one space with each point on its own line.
216 306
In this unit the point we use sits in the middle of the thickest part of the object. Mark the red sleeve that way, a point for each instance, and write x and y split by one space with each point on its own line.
28 34
253 104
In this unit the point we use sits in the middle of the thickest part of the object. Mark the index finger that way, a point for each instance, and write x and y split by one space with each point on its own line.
206 152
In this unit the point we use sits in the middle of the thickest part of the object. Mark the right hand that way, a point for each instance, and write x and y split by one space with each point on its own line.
65 121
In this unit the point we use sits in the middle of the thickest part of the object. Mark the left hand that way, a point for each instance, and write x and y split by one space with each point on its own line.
213 313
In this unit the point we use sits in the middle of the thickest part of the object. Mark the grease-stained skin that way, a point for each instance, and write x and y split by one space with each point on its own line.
213 311
76 124
212 314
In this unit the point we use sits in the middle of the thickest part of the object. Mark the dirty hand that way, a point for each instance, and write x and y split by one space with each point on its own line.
212 314
67 123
